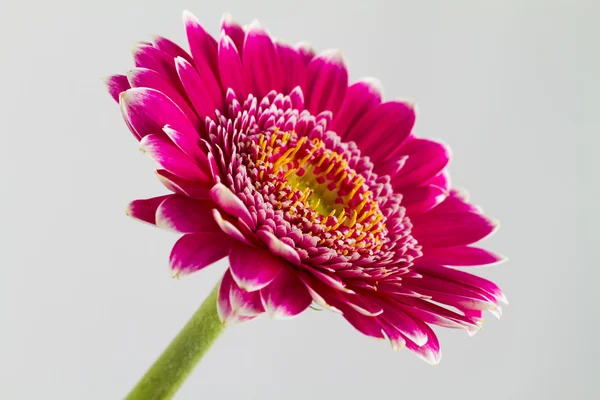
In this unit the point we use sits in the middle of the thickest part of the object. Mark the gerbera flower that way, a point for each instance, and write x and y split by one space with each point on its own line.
318 191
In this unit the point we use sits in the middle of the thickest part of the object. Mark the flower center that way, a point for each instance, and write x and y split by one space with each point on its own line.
317 184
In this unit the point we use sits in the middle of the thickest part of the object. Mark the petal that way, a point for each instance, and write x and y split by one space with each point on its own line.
145 209
286 296
395 337
234 31
306 51
231 68
261 61
327 82
171 49
391 167
363 305
231 204
389 123
185 215
245 303
292 67
461 256
279 248
193 189
366 325
318 290
457 201
143 77
116 84
431 313
194 251
441 180
204 52
452 229
230 229
147 56
148 111
197 89
406 325
361 97
253 268
171 158
452 293
426 159
224 309
420 200
431 351
463 278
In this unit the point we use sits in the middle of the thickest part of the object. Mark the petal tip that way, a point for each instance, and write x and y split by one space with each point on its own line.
334 55
226 18
189 17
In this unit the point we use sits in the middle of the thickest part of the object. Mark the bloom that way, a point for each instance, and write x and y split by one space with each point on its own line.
317 190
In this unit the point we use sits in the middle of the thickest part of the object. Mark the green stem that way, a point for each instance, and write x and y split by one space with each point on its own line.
168 373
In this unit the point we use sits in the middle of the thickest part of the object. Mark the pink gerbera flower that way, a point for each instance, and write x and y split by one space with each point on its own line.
317 190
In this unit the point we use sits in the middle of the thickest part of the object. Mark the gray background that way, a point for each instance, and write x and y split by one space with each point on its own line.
86 302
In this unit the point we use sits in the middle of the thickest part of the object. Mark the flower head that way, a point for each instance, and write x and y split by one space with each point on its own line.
317 191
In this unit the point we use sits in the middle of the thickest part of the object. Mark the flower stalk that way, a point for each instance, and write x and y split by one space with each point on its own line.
175 364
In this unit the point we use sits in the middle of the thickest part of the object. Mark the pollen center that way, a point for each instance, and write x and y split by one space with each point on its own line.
317 184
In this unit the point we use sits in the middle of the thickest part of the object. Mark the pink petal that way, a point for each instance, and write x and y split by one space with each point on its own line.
431 313
286 296
231 68
404 323
253 268
204 53
361 97
327 82
419 200
231 204
318 290
459 256
171 158
395 337
171 49
430 351
329 279
452 229
143 77
388 123
224 309
279 248
230 229
457 201
245 303
293 68
363 305
145 209
194 251
463 278
234 31
452 293
148 111
426 158
441 180
197 90
116 84
147 56
261 61
306 51
193 189
391 167
366 325
186 215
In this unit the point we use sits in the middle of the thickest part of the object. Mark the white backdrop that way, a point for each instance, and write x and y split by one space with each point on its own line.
86 301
